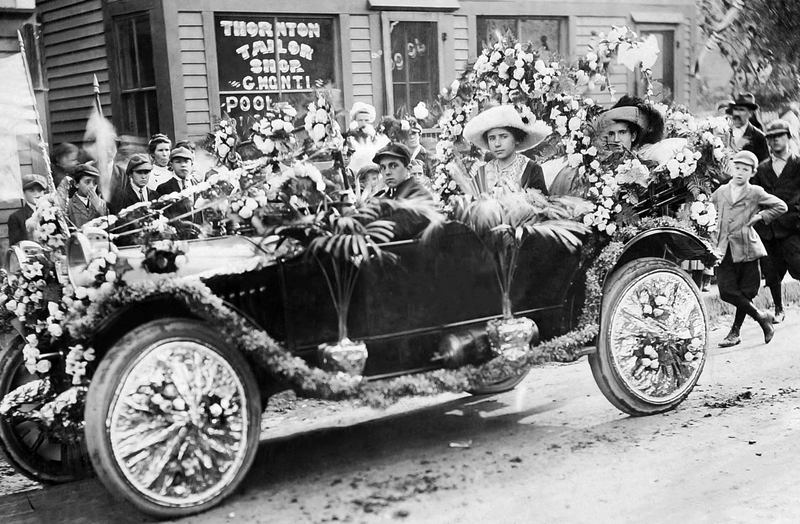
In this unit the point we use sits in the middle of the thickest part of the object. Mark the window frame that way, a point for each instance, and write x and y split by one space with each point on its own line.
121 94
563 41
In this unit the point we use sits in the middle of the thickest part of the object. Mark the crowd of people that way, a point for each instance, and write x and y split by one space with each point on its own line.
758 201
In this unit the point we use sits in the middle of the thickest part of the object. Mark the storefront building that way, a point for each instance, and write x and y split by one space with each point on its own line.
176 66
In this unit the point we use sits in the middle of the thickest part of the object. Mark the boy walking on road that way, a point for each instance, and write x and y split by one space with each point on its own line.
739 207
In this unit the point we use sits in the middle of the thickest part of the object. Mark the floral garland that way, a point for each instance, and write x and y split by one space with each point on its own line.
321 125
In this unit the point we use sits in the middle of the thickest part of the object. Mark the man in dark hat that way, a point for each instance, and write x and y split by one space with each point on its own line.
394 161
138 172
744 136
33 187
780 176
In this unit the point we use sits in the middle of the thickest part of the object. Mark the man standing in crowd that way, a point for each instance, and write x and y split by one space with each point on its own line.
182 161
780 176
744 136
159 148
33 187
138 172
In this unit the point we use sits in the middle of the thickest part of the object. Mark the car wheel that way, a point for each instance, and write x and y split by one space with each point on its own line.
26 444
173 418
502 385
653 335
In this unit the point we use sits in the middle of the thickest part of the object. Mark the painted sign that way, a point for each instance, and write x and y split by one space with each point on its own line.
263 58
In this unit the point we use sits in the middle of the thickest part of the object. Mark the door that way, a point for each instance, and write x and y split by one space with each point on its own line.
413 61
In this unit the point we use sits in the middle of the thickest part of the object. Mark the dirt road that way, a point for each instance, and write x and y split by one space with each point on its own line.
554 450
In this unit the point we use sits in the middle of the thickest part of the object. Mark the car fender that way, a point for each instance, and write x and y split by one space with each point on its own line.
670 243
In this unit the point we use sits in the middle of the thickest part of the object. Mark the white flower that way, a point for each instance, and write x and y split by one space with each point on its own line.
55 330
421 110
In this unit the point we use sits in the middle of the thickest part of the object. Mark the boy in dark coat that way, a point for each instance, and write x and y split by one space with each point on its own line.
739 207
33 187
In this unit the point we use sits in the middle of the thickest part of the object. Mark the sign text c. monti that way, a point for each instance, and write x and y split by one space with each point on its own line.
271 56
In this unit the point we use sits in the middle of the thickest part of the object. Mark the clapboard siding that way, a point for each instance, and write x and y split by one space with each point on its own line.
361 59
461 45
195 74
74 47
686 63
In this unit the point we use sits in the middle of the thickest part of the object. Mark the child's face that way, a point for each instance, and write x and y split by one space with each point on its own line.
741 173
161 154
86 185
501 142
33 194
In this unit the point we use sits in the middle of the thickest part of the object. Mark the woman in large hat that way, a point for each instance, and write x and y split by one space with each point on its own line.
501 131
631 125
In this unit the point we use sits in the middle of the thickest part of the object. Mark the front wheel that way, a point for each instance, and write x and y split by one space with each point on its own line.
653 336
30 446
173 418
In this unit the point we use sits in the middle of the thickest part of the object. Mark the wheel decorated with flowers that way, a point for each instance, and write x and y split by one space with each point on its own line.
173 418
653 336
44 452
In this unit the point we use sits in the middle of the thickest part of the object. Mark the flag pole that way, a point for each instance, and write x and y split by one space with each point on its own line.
41 142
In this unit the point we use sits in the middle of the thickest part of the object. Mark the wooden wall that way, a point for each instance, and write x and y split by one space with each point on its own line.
74 48
194 66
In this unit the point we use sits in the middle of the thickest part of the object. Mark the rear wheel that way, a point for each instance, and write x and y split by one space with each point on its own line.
28 446
173 418
653 336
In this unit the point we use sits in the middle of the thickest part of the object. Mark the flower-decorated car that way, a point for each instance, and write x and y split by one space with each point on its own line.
150 364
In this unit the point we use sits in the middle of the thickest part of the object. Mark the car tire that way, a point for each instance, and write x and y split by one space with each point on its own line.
502 385
172 394
25 445
618 365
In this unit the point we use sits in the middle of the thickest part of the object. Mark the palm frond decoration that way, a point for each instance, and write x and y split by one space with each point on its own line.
505 221
344 239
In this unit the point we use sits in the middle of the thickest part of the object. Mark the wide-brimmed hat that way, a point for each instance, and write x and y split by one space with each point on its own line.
138 161
361 107
28 181
394 149
778 127
630 114
181 152
504 116
747 100
745 157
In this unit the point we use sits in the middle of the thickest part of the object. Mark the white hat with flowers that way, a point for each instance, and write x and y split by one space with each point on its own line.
505 116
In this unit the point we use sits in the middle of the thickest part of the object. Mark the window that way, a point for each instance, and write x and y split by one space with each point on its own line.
664 68
263 58
548 35
136 75
415 65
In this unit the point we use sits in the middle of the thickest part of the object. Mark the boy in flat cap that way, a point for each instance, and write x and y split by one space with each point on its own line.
182 161
740 206
780 176
85 204
139 171
33 187
394 162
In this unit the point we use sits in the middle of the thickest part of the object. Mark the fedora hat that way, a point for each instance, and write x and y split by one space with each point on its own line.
504 116
747 100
